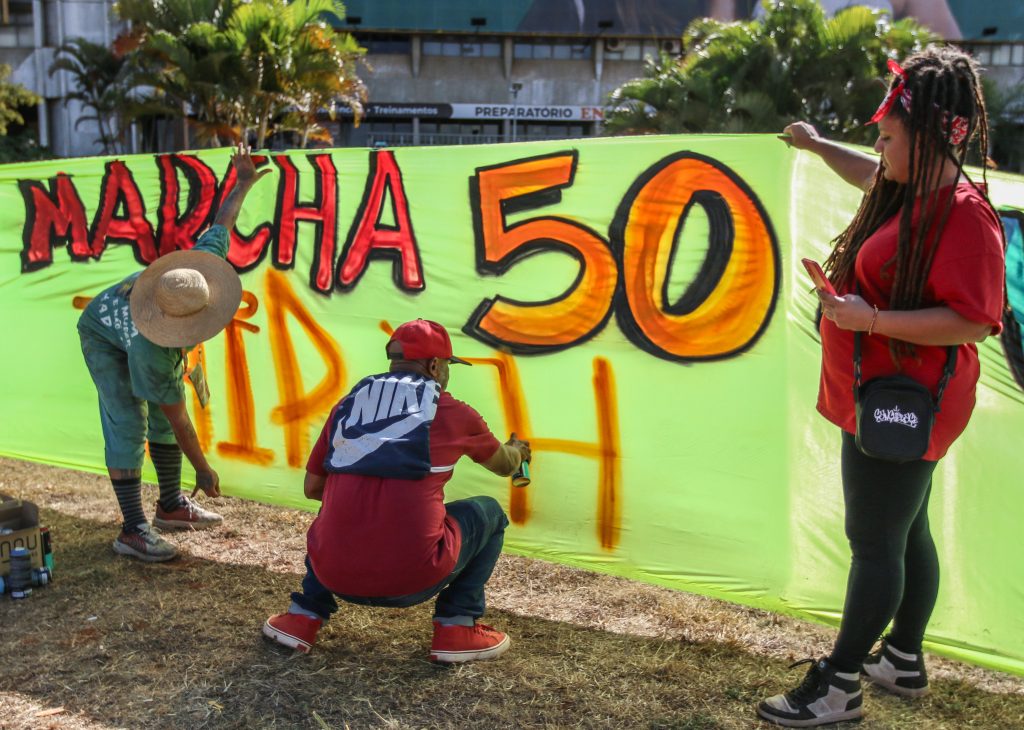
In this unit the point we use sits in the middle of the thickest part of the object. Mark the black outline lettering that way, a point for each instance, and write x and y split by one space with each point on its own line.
375 252
313 212
29 189
624 316
529 201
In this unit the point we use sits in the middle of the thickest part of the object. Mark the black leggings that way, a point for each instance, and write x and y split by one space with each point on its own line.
894 574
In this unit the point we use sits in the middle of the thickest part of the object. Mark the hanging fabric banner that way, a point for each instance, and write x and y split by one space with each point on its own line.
634 307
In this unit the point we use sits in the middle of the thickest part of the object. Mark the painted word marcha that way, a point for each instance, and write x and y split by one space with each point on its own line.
634 308
624 272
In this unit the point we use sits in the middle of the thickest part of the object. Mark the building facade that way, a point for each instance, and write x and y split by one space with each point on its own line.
455 85
459 71
450 72
30 33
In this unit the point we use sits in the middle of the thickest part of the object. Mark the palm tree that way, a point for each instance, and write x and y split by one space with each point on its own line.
198 68
293 61
184 63
102 85
794 63
324 76
244 67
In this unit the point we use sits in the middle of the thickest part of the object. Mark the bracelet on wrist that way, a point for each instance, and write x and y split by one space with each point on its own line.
874 318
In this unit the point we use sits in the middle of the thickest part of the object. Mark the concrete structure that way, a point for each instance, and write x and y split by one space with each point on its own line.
462 73
462 89
30 32
448 72
994 32
458 71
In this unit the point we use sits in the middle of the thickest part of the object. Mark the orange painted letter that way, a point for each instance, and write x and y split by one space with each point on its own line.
299 408
730 300
574 316
241 443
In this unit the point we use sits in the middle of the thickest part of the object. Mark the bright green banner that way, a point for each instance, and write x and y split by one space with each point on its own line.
634 307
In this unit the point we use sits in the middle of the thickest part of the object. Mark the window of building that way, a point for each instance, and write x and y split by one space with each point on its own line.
1018 55
581 51
557 50
654 48
1001 55
464 47
382 43
535 131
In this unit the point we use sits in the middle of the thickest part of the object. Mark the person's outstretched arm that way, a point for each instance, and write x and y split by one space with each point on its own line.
855 167
508 457
246 177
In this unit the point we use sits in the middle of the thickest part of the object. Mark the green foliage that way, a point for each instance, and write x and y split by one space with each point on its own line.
257 67
757 76
22 147
12 96
102 84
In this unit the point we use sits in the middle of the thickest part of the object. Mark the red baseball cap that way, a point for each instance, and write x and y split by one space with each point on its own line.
421 339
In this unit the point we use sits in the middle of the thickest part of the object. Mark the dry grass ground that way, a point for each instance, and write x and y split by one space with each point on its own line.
114 643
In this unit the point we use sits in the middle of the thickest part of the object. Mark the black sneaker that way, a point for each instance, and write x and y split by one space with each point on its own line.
897 671
825 696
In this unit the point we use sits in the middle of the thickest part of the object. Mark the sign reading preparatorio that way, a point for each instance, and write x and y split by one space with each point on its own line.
552 112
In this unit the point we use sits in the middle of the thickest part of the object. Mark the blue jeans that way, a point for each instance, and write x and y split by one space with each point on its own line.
461 593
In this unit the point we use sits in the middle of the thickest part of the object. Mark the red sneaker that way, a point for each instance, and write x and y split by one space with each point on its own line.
293 630
467 643
189 516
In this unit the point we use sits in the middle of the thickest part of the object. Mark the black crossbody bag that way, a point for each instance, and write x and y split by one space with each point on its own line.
895 413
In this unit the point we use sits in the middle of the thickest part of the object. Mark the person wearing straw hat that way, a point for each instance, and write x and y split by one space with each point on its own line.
384 535
135 336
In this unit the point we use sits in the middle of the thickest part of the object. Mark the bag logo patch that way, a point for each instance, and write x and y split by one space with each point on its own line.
894 415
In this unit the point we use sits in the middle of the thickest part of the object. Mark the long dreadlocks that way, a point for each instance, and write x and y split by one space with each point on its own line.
943 84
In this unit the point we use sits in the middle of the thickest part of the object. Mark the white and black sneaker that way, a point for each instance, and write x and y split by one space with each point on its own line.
897 671
825 696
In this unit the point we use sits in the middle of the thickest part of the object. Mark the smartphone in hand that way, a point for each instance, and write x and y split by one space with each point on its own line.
818 276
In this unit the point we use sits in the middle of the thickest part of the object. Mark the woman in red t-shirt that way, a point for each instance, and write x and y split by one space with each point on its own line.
919 269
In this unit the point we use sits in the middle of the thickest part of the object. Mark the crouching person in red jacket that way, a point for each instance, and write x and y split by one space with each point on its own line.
384 535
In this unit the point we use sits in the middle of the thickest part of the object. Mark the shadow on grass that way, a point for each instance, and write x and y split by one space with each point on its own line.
178 645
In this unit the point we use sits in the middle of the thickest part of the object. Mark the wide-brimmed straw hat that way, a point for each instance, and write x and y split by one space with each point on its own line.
185 298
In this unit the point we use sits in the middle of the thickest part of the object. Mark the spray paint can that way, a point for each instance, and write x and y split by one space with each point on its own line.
521 478
44 533
40 576
21 573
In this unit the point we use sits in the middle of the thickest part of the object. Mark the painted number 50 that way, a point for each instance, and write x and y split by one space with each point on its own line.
723 310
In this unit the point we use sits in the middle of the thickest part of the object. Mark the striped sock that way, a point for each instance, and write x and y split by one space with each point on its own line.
129 497
167 460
